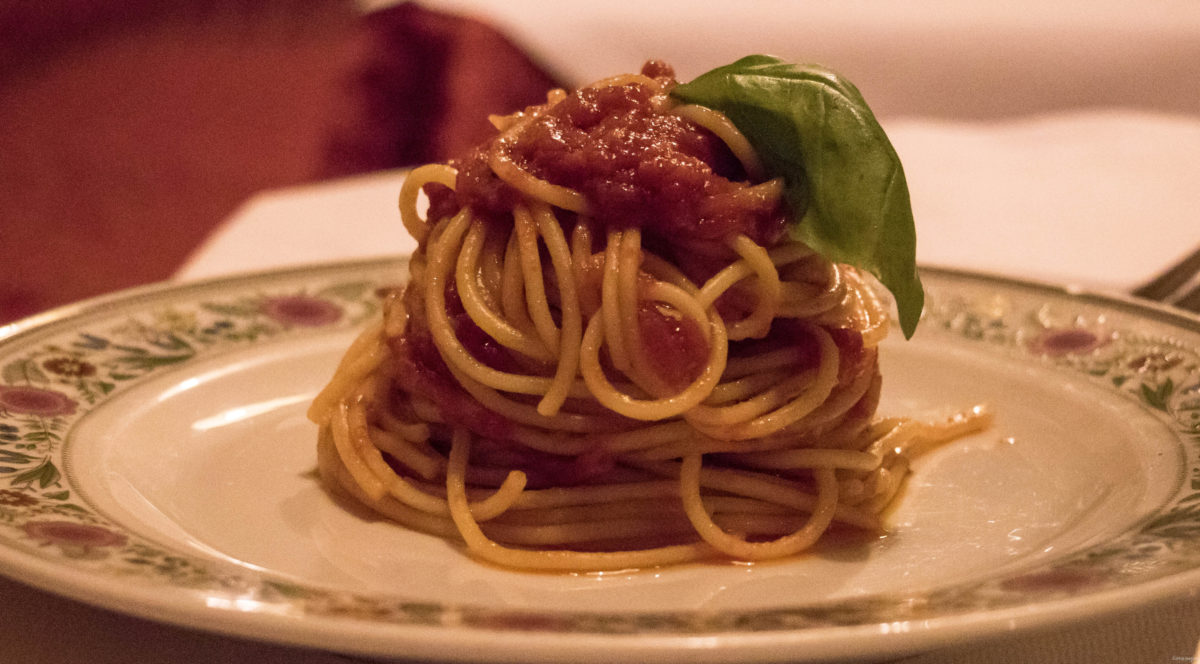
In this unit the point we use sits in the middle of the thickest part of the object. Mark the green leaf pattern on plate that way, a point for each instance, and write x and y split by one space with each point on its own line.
50 380
50 385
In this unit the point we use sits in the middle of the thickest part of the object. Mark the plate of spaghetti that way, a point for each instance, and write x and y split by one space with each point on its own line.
610 306
636 395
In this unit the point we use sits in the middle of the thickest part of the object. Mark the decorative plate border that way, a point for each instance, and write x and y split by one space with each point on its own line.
58 367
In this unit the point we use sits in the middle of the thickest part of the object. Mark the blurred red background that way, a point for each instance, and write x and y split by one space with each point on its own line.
129 129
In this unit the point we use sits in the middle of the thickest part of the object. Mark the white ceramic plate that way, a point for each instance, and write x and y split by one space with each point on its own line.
155 459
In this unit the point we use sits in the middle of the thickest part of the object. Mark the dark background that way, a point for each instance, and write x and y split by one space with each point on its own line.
130 128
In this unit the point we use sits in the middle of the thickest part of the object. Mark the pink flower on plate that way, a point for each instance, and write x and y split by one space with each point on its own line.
75 540
69 366
1155 360
35 401
13 498
1059 341
1054 580
302 310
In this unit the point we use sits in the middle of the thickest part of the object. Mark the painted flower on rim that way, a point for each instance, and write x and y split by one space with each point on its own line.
35 401
302 310
1059 341
69 366
75 540
1154 360
1054 580
12 498
69 532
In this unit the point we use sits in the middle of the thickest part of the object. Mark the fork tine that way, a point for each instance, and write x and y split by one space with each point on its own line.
1167 282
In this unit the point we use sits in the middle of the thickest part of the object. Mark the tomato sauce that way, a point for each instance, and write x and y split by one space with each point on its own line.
635 166
675 347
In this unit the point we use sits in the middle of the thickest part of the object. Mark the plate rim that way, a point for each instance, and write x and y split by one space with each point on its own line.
284 627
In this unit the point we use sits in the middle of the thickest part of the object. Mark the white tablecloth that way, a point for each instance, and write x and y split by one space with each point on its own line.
1101 199
922 58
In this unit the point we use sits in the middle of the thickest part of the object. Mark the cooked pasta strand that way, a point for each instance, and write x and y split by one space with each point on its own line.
560 388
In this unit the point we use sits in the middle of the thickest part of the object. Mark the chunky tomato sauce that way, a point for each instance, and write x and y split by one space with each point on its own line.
635 166
677 349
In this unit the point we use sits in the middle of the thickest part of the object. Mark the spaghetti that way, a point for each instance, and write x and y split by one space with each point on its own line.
609 355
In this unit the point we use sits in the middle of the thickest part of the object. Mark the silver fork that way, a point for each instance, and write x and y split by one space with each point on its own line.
1179 285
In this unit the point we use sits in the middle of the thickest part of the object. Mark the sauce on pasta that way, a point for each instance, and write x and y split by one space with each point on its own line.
609 355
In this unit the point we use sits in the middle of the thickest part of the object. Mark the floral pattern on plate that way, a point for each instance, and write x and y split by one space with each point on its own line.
56 369
49 385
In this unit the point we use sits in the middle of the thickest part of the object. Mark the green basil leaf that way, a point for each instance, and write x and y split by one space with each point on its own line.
813 128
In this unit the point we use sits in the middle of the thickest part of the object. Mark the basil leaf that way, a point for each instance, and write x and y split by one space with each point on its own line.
813 128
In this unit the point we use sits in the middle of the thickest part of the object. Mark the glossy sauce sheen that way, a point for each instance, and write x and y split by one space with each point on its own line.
635 166
679 351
